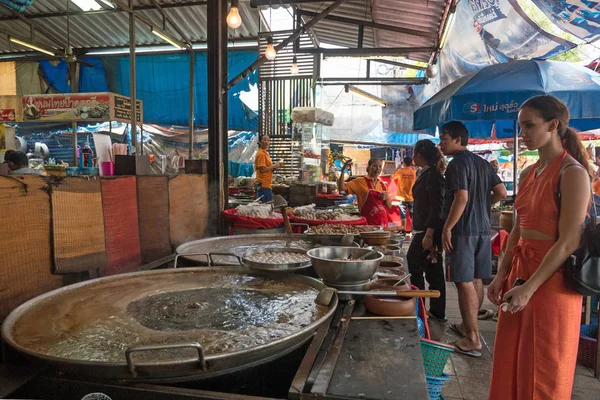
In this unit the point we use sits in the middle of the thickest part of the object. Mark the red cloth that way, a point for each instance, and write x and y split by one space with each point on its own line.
499 243
395 216
250 223
312 222
119 203
329 196
408 225
374 207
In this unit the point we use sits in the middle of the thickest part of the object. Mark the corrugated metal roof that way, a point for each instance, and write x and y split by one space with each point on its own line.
111 29
97 30
424 16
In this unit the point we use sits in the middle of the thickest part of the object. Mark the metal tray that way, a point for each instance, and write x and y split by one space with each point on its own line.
275 267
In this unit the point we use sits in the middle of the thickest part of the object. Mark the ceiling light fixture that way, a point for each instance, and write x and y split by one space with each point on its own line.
31 46
270 52
446 31
234 20
294 70
354 89
166 38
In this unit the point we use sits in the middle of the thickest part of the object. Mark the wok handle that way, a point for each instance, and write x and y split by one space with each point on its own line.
191 254
210 256
136 349
434 294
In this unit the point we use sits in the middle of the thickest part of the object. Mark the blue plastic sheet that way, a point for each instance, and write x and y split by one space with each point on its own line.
91 79
163 85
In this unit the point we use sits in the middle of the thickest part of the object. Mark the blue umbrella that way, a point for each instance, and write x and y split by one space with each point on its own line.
494 94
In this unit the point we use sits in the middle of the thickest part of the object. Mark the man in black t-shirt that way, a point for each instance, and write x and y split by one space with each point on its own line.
471 188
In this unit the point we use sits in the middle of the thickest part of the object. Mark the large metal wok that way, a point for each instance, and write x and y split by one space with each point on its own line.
219 250
168 325
247 259
207 251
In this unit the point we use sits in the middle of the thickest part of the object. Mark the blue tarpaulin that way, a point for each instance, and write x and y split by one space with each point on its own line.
91 79
495 94
163 85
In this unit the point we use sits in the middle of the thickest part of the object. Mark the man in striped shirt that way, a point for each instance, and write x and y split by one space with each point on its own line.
471 188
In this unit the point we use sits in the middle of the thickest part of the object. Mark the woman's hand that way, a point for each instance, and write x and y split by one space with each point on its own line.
494 291
427 242
517 298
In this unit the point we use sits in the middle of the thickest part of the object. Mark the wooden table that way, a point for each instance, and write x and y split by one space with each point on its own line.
363 359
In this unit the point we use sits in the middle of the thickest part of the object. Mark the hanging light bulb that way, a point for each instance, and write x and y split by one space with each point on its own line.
270 52
294 70
233 18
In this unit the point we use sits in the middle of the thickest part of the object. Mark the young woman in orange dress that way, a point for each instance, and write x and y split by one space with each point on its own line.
537 336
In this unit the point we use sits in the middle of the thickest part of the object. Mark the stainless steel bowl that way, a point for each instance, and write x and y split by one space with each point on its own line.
344 272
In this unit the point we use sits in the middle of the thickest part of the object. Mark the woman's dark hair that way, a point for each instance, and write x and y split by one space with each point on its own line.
549 108
372 161
432 155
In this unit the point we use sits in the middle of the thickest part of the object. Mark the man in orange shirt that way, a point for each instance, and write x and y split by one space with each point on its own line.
264 168
405 178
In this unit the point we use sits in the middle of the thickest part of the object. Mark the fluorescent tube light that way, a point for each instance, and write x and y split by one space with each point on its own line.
162 49
31 46
367 95
447 30
167 38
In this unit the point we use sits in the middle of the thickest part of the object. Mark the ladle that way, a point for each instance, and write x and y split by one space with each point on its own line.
325 296
280 203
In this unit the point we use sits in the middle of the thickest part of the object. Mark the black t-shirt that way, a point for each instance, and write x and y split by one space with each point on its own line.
468 171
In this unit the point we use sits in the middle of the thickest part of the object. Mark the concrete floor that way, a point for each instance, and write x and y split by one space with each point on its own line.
471 376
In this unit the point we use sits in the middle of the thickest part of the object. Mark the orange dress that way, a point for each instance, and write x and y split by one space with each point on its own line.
535 350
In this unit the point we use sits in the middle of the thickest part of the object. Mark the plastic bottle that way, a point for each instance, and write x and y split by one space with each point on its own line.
87 155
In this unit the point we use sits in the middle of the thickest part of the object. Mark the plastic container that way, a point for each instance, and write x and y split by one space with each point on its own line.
87 156
588 344
435 356
435 385
72 171
107 168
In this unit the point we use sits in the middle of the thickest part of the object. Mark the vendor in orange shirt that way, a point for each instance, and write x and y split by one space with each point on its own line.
373 200
405 178
264 168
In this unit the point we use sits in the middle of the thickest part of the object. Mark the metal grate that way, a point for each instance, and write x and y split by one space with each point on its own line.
282 148
277 99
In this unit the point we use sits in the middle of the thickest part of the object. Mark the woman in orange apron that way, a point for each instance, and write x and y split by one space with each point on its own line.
537 336
371 193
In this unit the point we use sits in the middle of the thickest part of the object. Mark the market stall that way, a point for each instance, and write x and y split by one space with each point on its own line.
172 344
72 108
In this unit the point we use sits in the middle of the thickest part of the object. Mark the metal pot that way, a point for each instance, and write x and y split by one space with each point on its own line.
344 272
50 318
